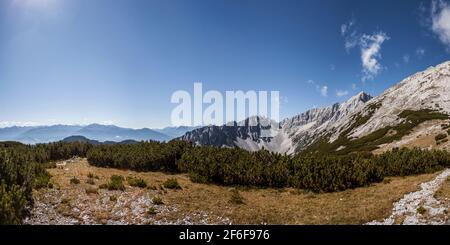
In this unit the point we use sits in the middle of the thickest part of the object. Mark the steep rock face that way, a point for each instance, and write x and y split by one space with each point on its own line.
353 119
307 127
429 89
291 133
228 135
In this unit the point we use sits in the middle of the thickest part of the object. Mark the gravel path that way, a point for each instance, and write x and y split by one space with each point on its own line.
420 207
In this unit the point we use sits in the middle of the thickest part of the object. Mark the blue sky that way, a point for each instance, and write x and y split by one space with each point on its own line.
119 61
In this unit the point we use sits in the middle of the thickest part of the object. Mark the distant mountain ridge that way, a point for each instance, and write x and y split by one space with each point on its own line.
101 133
82 139
175 131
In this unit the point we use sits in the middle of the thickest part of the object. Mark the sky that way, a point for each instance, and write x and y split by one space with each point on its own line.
119 61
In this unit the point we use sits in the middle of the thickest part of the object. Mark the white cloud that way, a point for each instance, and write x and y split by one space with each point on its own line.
353 86
370 54
324 91
440 21
340 93
420 52
344 28
370 47
6 124
406 58
107 122
350 35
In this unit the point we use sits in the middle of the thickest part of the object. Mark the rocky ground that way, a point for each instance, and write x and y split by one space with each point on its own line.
53 207
421 207
74 204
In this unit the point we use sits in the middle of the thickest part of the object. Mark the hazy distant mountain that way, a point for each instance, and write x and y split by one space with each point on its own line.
175 132
78 138
102 133
114 133
46 133
82 139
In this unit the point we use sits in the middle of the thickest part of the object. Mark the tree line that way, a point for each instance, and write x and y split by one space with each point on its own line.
22 168
234 166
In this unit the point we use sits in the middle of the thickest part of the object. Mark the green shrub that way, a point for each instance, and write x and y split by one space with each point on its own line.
421 210
145 156
65 200
151 211
136 182
440 137
236 197
157 200
116 183
103 186
266 169
403 162
74 181
91 190
13 201
172 183
90 181
42 180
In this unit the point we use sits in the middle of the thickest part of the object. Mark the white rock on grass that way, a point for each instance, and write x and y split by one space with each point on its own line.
407 207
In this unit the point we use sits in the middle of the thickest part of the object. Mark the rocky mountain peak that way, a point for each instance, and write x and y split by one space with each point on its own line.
357 117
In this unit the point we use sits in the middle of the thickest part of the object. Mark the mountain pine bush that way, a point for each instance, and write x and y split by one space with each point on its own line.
22 168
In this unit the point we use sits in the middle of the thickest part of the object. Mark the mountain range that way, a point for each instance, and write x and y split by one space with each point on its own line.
95 132
411 113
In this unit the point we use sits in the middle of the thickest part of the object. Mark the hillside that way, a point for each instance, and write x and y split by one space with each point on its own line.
362 123
82 139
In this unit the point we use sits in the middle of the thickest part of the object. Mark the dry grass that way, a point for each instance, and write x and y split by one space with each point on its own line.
272 206
443 194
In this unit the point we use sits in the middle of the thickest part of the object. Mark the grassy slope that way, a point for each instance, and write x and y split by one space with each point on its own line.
370 142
